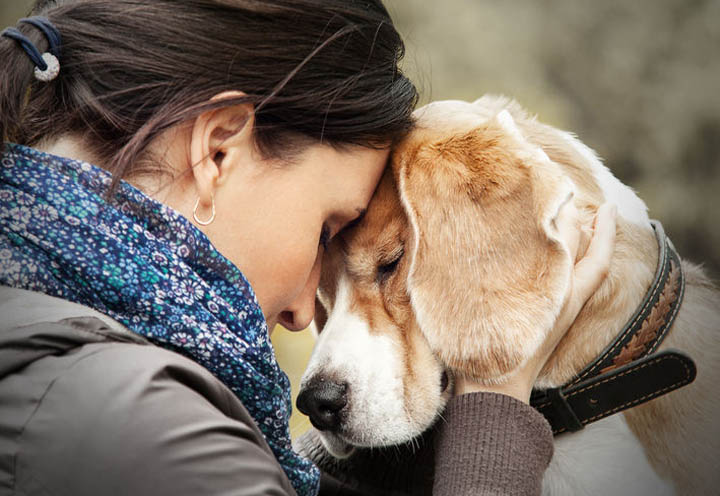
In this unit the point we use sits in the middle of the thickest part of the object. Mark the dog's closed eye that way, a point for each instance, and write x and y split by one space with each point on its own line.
387 268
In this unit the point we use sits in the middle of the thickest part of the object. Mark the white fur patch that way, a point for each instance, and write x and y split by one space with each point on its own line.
371 365
553 211
629 205
604 458
508 124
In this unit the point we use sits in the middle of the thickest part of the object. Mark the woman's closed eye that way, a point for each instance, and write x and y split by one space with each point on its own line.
325 236
326 233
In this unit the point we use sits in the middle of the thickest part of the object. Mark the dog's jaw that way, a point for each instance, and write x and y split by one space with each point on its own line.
336 446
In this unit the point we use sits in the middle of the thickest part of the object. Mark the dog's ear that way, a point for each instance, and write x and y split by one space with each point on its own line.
488 271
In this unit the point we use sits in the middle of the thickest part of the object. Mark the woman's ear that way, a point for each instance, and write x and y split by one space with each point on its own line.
221 139
489 272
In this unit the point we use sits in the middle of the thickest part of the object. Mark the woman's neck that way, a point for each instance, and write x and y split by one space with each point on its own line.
68 146
74 147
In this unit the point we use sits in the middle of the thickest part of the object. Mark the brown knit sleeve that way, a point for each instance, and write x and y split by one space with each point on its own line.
485 443
491 444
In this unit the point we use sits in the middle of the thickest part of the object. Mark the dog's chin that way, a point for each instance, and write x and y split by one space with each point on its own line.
336 446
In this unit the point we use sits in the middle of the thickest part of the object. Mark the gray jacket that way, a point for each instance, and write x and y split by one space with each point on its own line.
89 408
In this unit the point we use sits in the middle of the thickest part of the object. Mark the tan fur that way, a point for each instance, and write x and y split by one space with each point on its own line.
473 201
495 310
679 431
385 306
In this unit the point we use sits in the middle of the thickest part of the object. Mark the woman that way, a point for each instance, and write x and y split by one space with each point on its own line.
171 171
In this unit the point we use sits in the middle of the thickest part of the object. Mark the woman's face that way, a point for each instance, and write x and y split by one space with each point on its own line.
272 220
271 216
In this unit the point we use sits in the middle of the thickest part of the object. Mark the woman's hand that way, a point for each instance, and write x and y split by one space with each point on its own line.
590 270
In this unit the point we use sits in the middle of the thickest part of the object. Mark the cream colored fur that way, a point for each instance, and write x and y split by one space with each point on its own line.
491 305
473 198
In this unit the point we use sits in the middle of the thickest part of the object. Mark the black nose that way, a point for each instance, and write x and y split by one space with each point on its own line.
322 400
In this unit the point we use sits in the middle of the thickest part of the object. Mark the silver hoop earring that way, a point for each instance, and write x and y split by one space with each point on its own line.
212 217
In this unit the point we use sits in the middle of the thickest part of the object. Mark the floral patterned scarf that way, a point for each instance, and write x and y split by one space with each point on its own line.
146 266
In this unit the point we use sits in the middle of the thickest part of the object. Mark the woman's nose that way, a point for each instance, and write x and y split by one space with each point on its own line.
301 312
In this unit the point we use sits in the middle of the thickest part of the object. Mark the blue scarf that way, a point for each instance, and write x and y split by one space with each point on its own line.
149 268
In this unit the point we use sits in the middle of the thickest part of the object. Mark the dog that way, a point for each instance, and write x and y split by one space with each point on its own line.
456 268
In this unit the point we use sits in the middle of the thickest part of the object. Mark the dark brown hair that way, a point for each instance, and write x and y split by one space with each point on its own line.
323 70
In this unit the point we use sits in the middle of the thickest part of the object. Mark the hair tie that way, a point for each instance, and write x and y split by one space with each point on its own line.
47 65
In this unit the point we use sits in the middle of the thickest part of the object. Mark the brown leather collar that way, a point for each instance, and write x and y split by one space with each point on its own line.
627 373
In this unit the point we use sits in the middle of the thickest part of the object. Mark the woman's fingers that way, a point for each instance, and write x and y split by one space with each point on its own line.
588 274
592 268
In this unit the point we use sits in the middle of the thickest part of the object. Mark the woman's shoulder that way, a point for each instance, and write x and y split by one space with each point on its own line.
94 408
69 345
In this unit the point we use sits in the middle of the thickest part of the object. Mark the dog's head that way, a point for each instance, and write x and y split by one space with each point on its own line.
457 268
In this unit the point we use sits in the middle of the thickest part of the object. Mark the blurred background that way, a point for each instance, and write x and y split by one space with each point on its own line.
638 81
